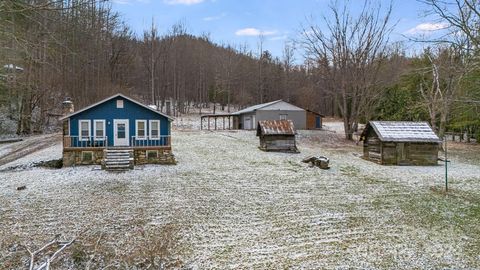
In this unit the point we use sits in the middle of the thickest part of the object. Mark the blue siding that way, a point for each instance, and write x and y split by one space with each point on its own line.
108 111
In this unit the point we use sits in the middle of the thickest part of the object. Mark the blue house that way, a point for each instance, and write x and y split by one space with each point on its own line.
117 133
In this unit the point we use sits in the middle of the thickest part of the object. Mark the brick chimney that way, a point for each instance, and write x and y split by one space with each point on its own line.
68 106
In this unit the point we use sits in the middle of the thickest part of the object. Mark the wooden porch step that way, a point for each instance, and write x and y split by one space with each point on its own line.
118 159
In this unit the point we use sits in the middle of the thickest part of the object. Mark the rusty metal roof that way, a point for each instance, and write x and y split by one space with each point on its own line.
275 127
397 131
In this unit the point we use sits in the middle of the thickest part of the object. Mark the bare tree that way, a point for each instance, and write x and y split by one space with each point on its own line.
462 18
349 53
447 67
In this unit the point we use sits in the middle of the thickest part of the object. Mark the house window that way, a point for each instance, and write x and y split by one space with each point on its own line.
84 128
87 156
99 129
152 154
120 103
283 116
141 129
154 129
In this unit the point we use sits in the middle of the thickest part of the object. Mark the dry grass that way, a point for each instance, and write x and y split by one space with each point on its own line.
228 205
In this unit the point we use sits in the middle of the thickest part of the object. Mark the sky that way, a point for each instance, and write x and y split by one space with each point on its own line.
241 22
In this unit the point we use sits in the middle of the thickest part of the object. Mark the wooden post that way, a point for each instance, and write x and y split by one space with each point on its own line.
208 119
201 123
446 164
215 123
223 118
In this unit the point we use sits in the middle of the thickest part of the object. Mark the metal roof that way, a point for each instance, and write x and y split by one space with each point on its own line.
255 107
314 112
397 131
275 127
115 96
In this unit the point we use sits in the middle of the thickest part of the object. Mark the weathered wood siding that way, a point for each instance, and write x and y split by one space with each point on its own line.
277 143
422 153
372 148
399 153
389 153
311 120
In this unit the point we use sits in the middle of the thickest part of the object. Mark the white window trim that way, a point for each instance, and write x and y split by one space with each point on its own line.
137 137
95 130
284 114
150 129
120 104
80 138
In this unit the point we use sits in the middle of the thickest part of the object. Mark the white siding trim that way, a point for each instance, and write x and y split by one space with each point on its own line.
120 104
137 137
80 138
95 129
150 129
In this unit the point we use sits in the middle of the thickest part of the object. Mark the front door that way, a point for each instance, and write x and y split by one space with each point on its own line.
120 132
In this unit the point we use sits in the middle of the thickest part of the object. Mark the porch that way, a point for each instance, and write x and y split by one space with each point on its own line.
98 151
100 143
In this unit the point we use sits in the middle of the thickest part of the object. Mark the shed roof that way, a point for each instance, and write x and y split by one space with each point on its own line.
314 112
400 131
256 107
112 97
274 105
275 127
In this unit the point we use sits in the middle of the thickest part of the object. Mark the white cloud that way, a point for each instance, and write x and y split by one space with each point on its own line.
253 32
214 18
426 28
183 2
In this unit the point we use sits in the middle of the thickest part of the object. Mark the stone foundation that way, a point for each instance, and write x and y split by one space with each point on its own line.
73 157
82 157
163 156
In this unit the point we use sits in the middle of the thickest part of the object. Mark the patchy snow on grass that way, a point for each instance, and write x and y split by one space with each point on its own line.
239 207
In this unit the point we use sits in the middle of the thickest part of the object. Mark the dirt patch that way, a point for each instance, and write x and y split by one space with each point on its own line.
28 146
49 164
52 164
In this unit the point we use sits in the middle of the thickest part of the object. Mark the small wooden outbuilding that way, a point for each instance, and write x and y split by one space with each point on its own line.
400 143
277 135
314 120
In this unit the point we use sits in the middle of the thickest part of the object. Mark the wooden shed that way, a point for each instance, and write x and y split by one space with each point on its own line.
314 120
277 135
400 143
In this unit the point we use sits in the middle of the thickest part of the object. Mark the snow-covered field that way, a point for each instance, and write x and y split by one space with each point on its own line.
238 207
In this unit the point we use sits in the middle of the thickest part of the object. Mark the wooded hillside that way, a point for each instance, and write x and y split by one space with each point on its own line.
82 49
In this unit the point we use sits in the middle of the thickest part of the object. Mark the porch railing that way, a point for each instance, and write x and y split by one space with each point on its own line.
92 141
149 141
102 142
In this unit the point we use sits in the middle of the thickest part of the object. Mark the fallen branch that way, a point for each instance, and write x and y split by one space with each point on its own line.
33 254
46 265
